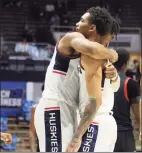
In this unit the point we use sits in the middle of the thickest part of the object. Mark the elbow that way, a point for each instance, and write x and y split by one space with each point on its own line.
90 109
99 103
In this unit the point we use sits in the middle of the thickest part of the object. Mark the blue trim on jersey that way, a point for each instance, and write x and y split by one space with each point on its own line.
53 134
61 63
89 139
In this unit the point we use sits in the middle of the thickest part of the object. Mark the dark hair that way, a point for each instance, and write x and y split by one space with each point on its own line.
105 23
123 58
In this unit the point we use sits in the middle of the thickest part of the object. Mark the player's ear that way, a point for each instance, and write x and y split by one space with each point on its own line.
92 28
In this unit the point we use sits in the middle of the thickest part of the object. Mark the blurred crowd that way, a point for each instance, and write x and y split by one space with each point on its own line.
55 12
28 47
115 8
38 41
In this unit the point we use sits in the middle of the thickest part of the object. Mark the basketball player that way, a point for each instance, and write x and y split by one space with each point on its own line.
92 80
55 117
128 96
102 133
6 138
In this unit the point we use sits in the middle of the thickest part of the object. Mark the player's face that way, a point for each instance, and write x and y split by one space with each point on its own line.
88 29
84 26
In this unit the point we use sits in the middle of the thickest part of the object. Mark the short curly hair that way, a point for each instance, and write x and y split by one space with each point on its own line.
123 58
105 23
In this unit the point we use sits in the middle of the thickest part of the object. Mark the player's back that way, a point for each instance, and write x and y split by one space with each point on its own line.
61 78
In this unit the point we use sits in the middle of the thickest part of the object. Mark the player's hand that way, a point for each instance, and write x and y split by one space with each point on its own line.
140 136
110 71
7 138
114 57
74 145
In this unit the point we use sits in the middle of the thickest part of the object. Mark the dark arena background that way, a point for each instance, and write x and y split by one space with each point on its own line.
29 30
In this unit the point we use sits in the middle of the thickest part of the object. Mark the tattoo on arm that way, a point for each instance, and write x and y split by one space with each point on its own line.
88 116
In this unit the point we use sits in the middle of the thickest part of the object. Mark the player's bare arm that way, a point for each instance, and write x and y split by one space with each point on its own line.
88 116
136 107
32 131
136 111
79 43
93 85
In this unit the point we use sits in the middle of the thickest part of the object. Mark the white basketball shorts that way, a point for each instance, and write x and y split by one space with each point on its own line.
101 136
55 123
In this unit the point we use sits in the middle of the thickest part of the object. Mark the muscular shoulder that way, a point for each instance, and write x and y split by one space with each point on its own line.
64 44
69 36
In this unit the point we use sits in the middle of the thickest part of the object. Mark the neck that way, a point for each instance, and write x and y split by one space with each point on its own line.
94 38
122 71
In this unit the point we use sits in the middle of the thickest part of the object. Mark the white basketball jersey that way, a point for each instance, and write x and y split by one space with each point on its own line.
107 94
62 80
